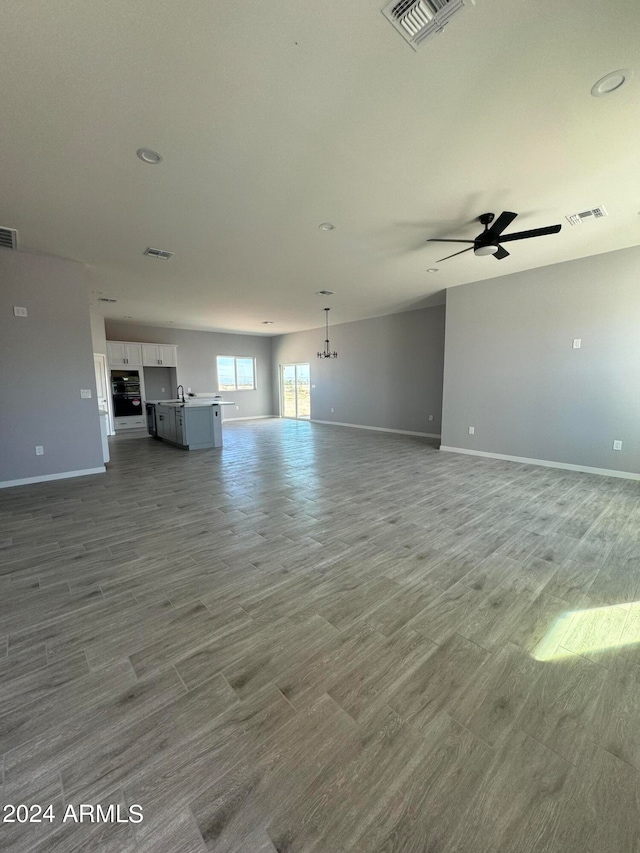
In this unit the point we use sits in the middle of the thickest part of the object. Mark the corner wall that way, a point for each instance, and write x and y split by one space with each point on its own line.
46 358
388 373
512 373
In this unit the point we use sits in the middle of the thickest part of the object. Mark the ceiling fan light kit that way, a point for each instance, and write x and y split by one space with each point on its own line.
489 241
492 249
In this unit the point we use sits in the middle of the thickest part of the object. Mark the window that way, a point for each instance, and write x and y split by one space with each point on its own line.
236 374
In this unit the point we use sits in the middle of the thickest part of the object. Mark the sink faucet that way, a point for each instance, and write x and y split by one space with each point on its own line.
180 392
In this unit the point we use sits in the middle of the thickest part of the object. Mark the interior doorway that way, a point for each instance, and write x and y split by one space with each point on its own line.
295 384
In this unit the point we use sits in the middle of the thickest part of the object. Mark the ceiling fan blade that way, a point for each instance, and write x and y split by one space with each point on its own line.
501 253
454 254
444 240
535 232
503 221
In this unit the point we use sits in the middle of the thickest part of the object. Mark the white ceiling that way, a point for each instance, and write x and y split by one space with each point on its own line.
275 117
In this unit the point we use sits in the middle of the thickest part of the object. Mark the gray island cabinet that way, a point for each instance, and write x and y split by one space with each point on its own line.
192 427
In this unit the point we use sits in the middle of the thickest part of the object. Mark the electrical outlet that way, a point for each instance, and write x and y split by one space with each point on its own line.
430 417
39 450
19 312
188 390
313 386
162 390
237 408
85 393
472 430
577 343
617 445
331 411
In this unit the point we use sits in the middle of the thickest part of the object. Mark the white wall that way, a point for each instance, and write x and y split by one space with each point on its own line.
98 335
511 372
45 360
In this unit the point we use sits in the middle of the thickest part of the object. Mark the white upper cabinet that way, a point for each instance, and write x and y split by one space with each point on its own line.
159 355
120 354
125 354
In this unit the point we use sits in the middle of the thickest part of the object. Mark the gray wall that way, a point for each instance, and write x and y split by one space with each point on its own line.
160 383
197 353
388 373
511 372
45 359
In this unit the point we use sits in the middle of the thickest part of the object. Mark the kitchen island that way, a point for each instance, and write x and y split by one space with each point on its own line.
195 424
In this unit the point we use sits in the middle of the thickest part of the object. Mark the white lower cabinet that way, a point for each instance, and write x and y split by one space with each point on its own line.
129 422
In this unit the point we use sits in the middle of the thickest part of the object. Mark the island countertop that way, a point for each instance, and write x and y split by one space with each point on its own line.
191 404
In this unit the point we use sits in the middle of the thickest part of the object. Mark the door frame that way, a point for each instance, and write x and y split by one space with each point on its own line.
281 396
100 363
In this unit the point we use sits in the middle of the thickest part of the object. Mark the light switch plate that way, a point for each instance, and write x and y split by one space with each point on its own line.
85 393
19 312
617 445
472 430
39 450
577 343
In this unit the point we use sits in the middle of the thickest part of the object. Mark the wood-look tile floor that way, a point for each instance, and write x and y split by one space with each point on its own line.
322 639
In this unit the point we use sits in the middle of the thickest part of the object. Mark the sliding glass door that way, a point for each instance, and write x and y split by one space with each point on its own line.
295 382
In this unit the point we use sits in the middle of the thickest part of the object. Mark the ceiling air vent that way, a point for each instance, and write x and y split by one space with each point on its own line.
8 238
158 253
419 20
594 213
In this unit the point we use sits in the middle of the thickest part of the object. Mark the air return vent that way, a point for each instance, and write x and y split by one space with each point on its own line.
158 253
579 218
8 238
419 20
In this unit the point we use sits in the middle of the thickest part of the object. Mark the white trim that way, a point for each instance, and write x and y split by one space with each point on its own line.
378 429
248 418
46 477
546 463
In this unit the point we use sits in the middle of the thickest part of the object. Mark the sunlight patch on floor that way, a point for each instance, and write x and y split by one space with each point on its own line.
599 629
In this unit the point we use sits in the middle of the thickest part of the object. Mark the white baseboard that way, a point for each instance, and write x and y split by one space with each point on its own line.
64 475
546 463
249 418
379 429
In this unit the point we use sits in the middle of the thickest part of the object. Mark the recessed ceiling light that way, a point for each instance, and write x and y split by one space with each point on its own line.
325 292
267 322
326 226
611 82
433 269
149 156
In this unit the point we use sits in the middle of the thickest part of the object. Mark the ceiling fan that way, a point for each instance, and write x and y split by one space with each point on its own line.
489 241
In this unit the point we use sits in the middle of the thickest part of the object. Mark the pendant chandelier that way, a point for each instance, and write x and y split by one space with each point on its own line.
327 351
